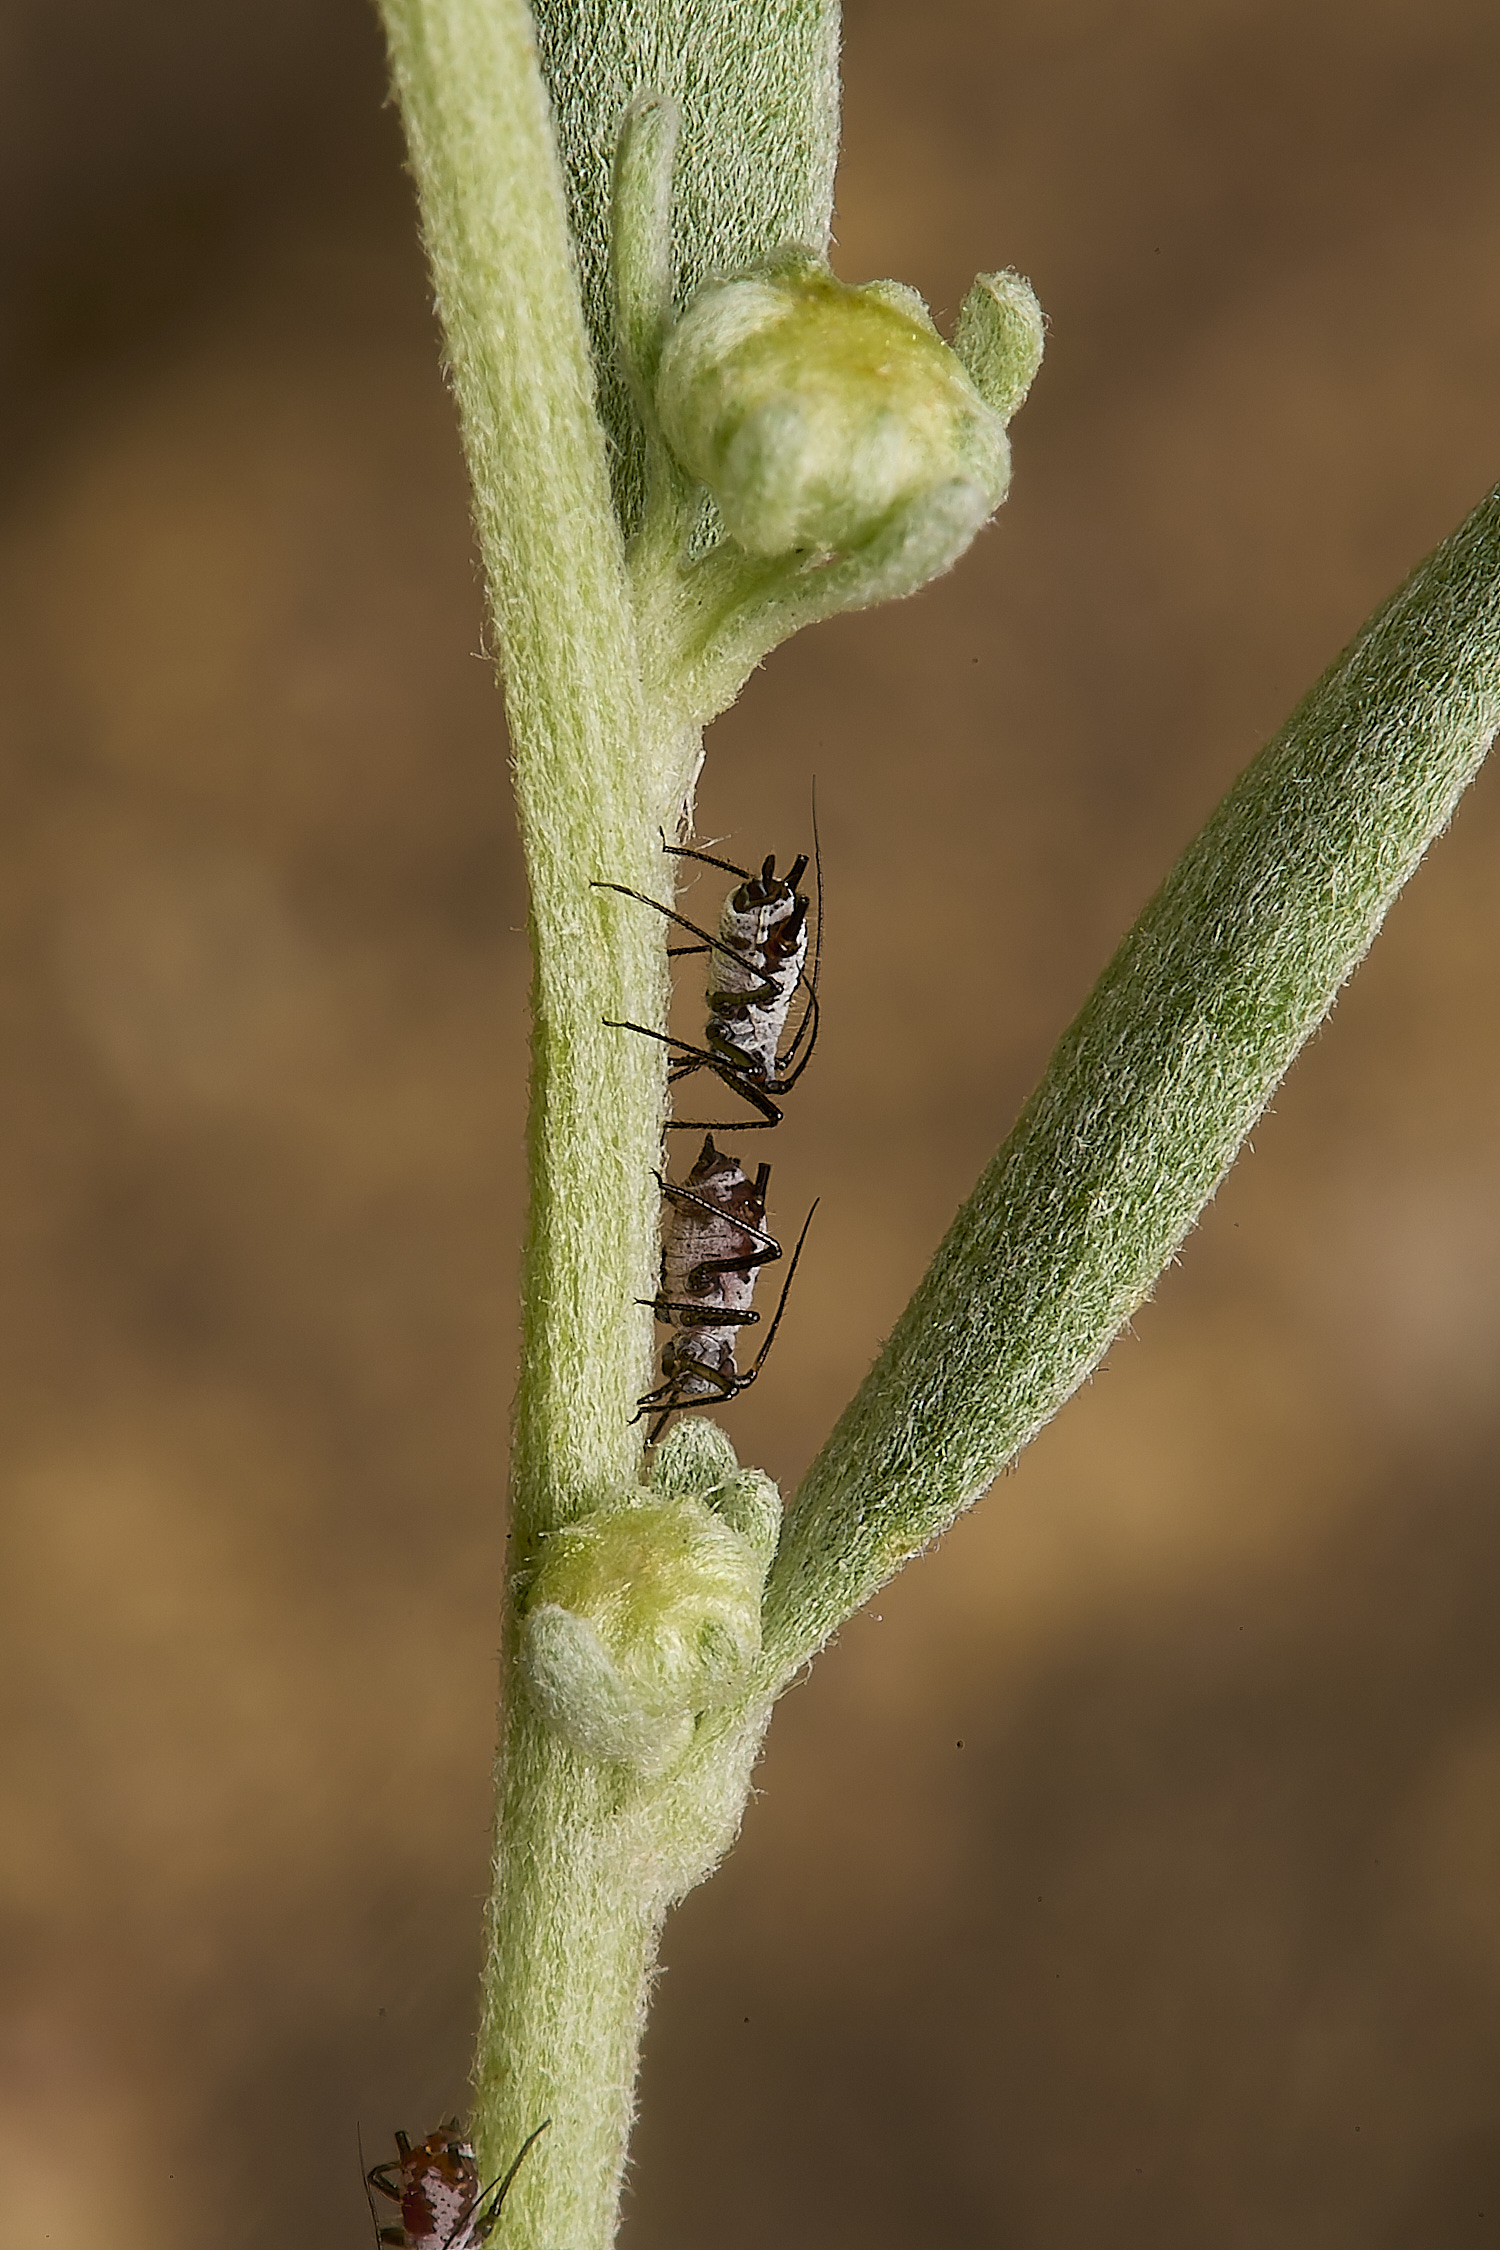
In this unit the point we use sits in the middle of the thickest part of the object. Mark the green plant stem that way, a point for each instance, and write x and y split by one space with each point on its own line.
573 1917
587 1858
593 1861
574 1928
493 214
1232 965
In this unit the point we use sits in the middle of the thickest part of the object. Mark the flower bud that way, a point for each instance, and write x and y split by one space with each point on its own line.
813 411
695 1460
638 1618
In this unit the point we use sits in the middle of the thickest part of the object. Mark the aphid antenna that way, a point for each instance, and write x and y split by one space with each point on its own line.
501 2188
791 1275
359 2142
792 877
810 1014
676 1193
710 944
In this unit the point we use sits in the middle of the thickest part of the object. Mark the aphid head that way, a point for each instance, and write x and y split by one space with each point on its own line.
712 1165
768 888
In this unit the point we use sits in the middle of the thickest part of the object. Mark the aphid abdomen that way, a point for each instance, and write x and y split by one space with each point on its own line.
705 1262
754 972
700 1365
715 1243
714 1246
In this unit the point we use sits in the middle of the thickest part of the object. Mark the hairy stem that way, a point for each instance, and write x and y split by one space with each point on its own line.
493 213
588 1855
1233 964
574 1927
571 1932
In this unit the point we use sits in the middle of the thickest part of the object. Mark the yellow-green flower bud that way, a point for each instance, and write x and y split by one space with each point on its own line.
640 1617
813 411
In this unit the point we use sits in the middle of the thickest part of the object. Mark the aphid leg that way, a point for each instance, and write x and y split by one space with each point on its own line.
710 943
677 1406
359 2142
703 1059
748 1090
787 1074
644 899
706 859
700 1058
726 1382
739 1082
767 1255
730 1383
668 1396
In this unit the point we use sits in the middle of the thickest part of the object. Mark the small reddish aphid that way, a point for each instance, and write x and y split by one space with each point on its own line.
437 2186
715 1244
756 964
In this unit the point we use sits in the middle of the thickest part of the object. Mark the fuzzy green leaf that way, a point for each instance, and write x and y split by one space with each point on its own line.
1233 964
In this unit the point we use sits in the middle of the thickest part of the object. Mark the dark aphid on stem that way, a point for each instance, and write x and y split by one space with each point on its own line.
715 1244
437 2186
756 964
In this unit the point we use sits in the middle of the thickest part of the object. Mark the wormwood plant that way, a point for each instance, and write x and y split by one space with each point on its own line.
687 439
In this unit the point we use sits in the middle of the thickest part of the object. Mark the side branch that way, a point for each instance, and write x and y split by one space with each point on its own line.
1150 1093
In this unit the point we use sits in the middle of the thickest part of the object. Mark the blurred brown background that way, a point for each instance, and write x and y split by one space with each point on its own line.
1130 1876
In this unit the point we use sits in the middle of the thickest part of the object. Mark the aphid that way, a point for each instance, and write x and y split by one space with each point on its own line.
756 964
442 2204
715 1244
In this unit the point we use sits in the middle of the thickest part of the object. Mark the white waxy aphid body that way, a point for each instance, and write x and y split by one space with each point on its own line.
756 962
715 1245
754 971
